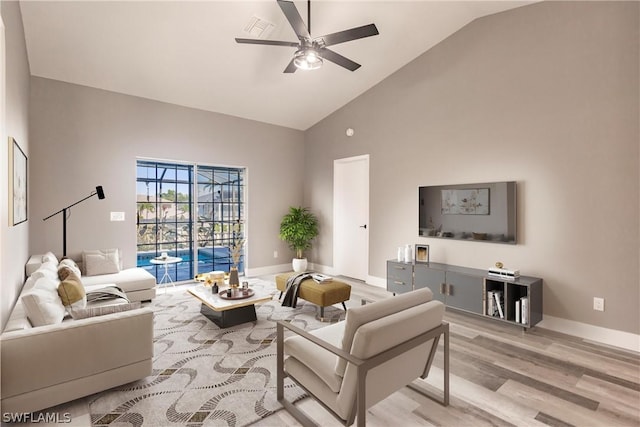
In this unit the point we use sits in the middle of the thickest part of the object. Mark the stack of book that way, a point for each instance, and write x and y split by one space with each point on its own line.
522 310
321 278
495 304
504 273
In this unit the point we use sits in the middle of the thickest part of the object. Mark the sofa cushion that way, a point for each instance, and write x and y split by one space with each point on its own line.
358 316
129 279
40 273
97 262
71 290
34 263
42 303
322 362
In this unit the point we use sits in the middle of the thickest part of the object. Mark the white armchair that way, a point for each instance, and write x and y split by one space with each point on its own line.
352 365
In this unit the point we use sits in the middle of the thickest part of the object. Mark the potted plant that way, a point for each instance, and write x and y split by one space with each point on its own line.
298 228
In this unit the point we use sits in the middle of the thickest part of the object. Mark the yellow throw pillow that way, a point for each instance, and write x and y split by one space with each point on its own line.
72 292
64 271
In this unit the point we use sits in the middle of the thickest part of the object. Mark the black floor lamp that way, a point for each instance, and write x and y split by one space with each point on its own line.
99 191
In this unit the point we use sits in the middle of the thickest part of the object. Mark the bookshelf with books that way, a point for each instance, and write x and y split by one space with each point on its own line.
521 299
514 300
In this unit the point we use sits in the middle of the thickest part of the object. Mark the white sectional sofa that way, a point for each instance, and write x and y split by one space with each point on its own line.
65 358
137 283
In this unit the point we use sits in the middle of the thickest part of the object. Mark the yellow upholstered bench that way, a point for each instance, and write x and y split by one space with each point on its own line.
322 295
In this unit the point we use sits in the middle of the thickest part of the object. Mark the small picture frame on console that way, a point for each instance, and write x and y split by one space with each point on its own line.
422 253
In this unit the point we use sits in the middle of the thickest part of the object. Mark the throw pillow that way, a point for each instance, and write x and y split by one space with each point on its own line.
50 266
42 303
71 291
104 261
31 281
38 274
68 262
49 257
83 313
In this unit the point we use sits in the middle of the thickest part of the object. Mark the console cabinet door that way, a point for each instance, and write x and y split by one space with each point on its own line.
425 277
464 291
399 277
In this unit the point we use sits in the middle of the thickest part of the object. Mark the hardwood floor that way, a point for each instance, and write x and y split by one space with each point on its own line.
500 376
504 376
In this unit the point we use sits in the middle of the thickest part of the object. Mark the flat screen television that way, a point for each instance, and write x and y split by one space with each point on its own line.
477 212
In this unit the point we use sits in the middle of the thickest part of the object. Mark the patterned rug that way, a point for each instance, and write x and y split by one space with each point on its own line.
204 375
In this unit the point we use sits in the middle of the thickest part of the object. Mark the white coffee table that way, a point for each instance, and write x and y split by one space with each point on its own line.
228 312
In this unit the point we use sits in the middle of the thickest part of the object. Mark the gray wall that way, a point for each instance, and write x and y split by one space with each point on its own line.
546 95
85 137
14 117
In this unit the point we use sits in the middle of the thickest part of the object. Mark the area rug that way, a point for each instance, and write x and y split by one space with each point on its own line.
204 375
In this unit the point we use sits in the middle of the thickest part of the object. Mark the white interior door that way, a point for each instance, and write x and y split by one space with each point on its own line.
351 217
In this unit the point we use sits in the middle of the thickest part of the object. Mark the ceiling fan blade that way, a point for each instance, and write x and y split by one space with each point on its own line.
294 18
291 68
348 35
268 42
338 59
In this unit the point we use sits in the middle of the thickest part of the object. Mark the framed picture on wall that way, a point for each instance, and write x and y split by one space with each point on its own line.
466 201
422 253
17 183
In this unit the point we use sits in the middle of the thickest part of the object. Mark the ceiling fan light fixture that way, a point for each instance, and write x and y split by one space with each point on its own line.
307 59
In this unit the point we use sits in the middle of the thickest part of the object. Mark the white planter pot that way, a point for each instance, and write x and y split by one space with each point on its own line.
299 265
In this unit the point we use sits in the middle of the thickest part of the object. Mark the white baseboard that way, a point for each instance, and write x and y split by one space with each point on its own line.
322 269
597 334
370 280
271 269
377 282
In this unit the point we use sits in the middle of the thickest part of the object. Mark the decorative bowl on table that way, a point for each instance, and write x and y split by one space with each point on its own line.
236 293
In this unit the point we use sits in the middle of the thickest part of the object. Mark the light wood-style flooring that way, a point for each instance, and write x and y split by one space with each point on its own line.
502 375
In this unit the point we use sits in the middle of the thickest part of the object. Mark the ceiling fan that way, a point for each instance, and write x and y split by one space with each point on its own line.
312 51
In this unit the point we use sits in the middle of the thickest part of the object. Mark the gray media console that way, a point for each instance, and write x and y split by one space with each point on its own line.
472 290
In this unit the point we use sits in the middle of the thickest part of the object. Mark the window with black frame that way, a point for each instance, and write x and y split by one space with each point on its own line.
220 218
201 222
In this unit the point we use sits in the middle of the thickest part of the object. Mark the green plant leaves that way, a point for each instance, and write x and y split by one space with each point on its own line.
298 228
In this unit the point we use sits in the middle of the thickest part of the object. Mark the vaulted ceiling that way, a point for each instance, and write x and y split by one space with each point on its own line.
184 52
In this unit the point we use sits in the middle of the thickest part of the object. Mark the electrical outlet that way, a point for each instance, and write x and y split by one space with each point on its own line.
275 254
598 304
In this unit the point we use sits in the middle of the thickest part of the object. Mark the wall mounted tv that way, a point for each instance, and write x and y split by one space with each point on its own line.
478 212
